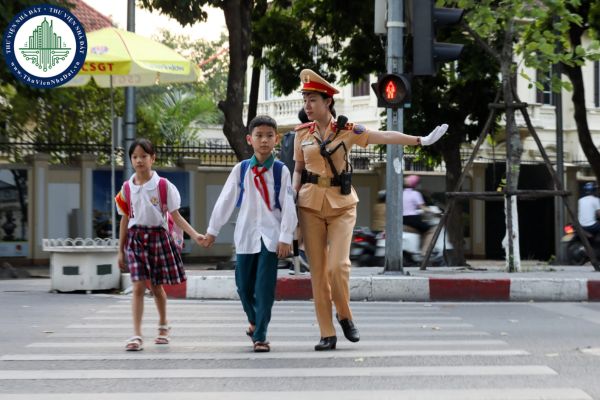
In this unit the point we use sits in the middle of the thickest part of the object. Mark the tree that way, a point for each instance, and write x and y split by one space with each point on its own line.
210 56
585 20
60 116
238 17
492 24
458 95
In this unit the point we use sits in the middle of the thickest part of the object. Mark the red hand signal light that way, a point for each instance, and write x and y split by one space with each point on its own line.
390 90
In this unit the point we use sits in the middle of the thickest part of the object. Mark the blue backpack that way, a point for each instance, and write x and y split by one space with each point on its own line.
277 167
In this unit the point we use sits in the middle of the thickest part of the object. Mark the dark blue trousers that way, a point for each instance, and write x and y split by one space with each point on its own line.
255 278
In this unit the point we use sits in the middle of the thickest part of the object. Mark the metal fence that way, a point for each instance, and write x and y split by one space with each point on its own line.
213 153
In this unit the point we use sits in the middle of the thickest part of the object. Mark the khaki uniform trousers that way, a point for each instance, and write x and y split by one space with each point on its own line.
327 238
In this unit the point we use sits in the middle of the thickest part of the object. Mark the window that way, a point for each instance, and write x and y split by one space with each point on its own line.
544 96
596 84
268 86
361 88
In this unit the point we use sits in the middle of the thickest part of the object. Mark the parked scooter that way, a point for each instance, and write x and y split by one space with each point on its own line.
411 242
574 249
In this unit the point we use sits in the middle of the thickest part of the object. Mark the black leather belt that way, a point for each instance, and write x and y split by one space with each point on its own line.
322 181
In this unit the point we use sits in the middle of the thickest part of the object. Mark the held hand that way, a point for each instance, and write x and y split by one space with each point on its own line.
199 239
435 135
283 249
208 240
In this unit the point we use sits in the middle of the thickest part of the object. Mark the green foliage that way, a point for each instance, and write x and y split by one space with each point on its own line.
212 57
61 116
175 116
458 95
168 115
187 12
540 27
327 36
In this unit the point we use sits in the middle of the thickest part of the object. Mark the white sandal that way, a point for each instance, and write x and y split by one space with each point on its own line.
134 343
163 339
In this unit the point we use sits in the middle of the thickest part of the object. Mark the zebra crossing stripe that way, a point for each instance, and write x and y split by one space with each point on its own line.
294 343
162 373
308 318
288 325
273 355
451 394
196 333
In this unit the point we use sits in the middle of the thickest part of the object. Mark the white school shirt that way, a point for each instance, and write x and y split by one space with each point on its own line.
145 202
255 221
587 210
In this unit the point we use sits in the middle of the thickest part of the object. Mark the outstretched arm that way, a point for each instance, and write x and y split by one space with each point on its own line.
394 137
187 228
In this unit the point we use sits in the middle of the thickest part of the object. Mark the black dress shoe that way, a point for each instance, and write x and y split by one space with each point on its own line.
350 330
326 343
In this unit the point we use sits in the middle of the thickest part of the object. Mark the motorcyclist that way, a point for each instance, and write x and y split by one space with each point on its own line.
378 222
589 209
413 207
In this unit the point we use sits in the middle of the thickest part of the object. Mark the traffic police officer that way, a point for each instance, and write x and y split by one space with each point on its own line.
327 201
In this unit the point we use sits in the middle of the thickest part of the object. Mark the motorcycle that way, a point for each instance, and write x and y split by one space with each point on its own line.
411 242
362 248
575 252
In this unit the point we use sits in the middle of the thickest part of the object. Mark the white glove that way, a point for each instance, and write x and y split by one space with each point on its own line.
435 135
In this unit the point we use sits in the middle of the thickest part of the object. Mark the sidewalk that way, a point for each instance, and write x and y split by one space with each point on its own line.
483 281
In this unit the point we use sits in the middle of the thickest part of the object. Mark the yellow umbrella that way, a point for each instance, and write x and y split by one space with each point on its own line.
118 58
131 60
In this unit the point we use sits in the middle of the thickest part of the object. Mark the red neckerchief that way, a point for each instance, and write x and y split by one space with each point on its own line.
261 184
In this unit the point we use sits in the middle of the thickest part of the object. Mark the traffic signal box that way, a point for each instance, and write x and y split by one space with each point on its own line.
426 51
392 90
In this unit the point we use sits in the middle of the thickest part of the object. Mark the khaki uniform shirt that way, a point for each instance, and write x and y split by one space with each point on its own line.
307 149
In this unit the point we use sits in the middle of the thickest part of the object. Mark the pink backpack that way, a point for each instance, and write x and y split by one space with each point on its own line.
175 231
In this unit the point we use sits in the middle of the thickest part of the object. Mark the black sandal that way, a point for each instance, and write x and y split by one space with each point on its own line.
261 347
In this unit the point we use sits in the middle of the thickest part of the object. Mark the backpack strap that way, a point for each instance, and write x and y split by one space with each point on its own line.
243 168
162 194
277 167
127 190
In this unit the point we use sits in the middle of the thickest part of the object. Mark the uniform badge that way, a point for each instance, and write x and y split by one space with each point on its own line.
154 201
358 129
307 143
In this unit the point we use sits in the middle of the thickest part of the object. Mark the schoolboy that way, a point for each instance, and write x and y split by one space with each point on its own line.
261 187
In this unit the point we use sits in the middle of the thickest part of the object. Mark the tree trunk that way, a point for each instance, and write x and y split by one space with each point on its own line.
455 228
254 86
238 20
583 130
514 149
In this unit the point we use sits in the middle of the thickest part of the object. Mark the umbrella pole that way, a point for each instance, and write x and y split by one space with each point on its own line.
112 160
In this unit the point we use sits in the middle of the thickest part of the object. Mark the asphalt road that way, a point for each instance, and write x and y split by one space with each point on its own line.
70 346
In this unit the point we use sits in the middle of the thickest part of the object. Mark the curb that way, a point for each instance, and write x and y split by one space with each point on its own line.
403 288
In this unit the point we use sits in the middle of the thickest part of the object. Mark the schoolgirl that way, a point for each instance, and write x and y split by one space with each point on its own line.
146 247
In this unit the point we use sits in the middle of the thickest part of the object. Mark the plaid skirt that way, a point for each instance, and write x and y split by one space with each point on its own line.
152 255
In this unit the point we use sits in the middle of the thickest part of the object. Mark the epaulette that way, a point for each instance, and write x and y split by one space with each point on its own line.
303 126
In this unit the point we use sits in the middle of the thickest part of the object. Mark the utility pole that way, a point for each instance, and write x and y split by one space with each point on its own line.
559 215
395 121
130 120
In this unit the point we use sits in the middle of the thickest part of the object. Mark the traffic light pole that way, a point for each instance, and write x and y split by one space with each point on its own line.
395 122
